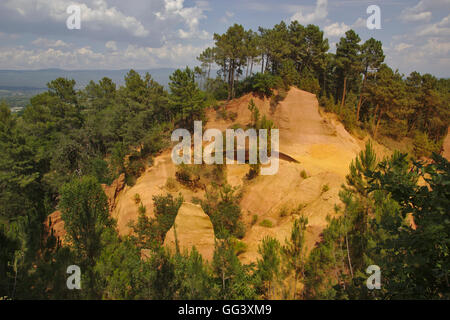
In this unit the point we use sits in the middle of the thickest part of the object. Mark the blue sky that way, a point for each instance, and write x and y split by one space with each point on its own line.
144 34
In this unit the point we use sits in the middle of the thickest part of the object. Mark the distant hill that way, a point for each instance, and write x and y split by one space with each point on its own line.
18 86
36 80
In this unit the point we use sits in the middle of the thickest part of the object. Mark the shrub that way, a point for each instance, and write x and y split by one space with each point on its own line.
171 183
254 219
266 223
328 104
284 211
142 209
299 208
310 84
260 83
254 171
303 174
187 177
137 198
232 115
276 99
325 188
423 146
239 246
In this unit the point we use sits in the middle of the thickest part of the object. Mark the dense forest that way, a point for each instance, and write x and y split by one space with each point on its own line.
67 142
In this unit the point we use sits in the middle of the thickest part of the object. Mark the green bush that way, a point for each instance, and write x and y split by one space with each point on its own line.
142 209
266 223
254 171
325 188
310 84
259 83
284 211
137 198
423 146
171 183
303 174
239 246
254 219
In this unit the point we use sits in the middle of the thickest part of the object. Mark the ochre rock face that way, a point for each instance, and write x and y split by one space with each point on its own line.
54 223
113 191
319 144
193 228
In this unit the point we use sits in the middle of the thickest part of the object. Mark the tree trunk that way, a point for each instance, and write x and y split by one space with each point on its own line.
262 63
343 94
360 99
246 71
232 80
229 82
378 124
251 68
348 255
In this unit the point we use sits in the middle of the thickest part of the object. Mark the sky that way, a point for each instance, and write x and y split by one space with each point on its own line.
147 34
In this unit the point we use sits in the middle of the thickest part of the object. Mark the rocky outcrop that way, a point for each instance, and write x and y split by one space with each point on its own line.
193 228
113 191
54 224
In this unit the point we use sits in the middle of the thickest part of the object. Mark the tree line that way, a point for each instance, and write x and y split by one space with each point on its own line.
368 96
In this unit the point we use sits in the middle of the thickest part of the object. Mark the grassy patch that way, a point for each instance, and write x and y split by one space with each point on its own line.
266 223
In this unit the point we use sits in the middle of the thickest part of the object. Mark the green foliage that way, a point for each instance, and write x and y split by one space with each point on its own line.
266 223
142 209
222 206
84 208
260 83
375 229
269 266
166 210
294 251
423 146
186 100
233 279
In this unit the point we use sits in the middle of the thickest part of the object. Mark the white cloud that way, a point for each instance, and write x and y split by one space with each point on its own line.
336 29
429 56
174 10
442 28
111 45
402 46
422 11
94 16
226 18
43 42
360 23
320 12
133 56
